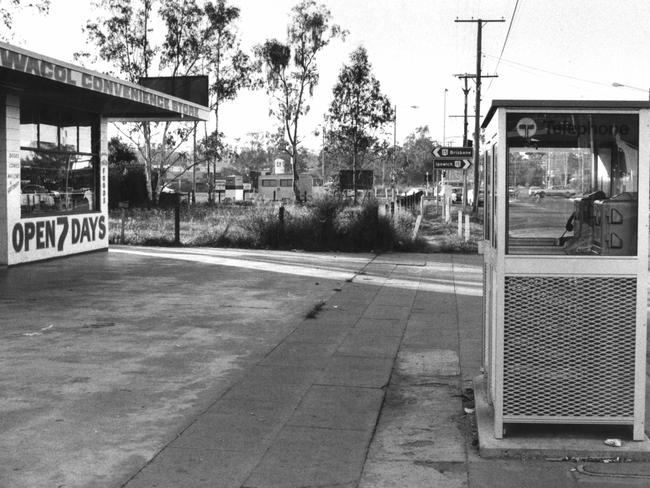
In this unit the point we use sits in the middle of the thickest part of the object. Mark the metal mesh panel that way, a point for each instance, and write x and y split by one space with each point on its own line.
569 346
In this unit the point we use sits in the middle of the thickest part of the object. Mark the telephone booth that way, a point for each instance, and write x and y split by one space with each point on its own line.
566 261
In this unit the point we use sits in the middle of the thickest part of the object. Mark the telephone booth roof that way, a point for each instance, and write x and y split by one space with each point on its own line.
542 105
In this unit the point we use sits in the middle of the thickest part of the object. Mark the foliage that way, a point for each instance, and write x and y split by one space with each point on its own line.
416 157
358 109
125 174
323 225
7 13
258 153
291 70
192 37
230 70
230 66
121 156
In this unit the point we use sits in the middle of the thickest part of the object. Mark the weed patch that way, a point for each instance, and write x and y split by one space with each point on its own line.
326 224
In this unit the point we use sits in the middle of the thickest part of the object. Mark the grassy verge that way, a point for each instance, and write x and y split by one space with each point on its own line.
443 237
323 225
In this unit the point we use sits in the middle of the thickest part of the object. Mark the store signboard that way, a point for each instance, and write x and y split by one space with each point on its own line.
190 88
23 61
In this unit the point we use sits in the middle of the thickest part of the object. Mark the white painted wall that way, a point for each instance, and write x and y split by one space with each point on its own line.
24 240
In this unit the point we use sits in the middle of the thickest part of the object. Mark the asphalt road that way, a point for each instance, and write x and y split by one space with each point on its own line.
106 355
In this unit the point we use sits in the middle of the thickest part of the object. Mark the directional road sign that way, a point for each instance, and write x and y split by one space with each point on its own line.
451 163
440 152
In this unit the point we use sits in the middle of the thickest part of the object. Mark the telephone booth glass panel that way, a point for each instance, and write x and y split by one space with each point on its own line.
572 183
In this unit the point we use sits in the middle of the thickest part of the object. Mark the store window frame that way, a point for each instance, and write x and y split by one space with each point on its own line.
39 199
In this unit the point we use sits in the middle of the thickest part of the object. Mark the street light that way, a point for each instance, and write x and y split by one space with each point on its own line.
322 131
621 85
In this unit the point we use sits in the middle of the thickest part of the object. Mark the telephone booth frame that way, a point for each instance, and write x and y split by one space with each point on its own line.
565 331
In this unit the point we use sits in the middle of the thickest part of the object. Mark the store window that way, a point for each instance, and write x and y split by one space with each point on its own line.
572 183
59 168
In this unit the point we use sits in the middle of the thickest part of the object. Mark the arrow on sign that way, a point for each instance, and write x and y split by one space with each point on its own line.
451 163
440 152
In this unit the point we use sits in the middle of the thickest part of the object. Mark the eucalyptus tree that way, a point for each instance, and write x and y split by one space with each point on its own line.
417 156
9 7
357 110
292 73
230 69
142 38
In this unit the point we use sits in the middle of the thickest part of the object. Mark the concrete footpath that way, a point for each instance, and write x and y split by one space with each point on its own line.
150 367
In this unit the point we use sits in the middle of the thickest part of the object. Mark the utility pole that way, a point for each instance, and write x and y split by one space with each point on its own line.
466 91
392 175
477 119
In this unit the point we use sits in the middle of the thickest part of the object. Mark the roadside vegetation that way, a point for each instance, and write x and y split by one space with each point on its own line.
326 224
443 237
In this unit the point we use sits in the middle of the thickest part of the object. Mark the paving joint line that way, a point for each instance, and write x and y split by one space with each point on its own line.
459 384
387 384
272 439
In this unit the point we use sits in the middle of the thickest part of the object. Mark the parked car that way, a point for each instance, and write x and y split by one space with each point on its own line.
553 191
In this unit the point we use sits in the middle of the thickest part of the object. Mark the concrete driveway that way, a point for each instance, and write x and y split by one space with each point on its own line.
107 356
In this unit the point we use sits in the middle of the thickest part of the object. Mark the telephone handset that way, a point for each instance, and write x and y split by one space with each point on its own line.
582 221
584 211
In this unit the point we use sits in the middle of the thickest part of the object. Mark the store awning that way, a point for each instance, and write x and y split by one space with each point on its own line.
60 83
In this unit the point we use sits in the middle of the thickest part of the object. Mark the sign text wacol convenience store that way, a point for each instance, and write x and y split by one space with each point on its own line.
90 81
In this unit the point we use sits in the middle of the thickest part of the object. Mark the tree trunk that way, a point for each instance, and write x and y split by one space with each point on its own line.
217 141
147 162
354 169
294 167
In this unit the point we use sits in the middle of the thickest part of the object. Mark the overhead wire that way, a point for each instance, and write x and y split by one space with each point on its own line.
505 41
525 67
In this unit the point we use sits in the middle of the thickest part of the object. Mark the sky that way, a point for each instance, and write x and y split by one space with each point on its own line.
552 49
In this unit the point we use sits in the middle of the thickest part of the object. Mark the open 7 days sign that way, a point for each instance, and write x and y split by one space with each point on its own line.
54 232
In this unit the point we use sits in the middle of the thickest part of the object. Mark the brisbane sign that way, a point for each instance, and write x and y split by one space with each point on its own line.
440 152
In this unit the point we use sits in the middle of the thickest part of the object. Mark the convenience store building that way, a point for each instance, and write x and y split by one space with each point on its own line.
54 151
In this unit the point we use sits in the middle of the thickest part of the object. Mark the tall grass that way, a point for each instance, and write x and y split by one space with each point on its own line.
326 224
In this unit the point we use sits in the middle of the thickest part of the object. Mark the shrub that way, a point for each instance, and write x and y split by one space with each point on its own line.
325 224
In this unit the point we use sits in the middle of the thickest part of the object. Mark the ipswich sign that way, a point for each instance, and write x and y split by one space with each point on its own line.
451 163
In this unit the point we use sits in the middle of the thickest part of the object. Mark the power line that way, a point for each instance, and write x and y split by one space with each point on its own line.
505 41
521 65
